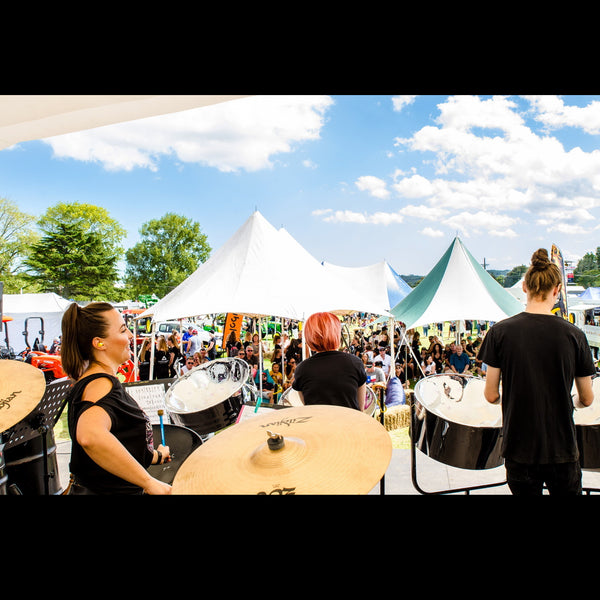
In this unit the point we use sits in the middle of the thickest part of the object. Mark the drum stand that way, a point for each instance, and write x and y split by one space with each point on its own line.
413 467
39 423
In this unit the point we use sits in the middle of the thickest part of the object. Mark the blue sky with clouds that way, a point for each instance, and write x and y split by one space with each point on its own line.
356 179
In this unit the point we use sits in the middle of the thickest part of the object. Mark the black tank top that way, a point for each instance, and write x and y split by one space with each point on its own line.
130 425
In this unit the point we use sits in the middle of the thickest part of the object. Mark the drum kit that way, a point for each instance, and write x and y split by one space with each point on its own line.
29 409
289 449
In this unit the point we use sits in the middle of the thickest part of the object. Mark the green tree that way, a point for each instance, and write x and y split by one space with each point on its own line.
17 234
514 275
171 249
78 252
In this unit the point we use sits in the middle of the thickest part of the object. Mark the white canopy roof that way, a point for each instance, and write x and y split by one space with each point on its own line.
237 278
49 307
31 117
378 283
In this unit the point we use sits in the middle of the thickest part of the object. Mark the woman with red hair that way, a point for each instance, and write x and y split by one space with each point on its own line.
329 376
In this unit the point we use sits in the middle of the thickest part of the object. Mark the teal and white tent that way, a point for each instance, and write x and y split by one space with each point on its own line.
457 288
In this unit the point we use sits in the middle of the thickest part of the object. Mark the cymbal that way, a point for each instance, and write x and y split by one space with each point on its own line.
325 450
21 389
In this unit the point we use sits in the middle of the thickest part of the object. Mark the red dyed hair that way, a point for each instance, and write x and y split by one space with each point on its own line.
322 332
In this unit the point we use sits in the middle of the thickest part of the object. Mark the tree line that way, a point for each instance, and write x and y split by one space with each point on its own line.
77 251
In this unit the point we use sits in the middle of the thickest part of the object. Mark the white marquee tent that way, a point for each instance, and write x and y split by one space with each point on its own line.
237 279
49 307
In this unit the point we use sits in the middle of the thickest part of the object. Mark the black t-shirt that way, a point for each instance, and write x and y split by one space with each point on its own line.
331 377
130 425
538 356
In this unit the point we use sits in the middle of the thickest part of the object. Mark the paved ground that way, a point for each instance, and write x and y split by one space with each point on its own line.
430 475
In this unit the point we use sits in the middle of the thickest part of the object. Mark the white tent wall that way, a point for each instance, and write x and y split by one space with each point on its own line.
50 307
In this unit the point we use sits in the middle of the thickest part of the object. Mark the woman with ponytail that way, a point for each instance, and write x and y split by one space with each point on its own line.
111 437
538 355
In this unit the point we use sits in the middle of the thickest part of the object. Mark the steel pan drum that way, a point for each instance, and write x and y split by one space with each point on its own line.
291 398
454 424
181 442
587 426
209 397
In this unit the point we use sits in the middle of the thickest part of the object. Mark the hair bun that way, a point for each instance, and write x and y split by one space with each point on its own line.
539 259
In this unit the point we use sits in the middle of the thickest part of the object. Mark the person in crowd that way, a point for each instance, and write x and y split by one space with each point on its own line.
538 356
374 373
448 352
329 376
241 353
175 355
437 354
386 360
267 384
144 359
193 343
202 356
231 343
256 345
459 362
251 358
161 358
429 366
247 339
111 437
185 338
188 365
211 349
277 377
55 347
290 371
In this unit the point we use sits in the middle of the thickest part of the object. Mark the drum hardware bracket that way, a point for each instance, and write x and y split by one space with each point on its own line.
275 441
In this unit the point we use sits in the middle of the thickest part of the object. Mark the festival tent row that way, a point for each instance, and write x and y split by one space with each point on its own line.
457 288
235 279
31 308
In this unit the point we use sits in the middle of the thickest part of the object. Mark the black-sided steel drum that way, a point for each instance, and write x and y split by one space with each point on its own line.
587 426
3 475
454 424
209 397
181 442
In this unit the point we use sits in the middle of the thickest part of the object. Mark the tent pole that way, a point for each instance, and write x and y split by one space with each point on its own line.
152 352
260 357
136 371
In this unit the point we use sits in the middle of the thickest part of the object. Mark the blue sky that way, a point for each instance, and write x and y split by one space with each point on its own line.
355 179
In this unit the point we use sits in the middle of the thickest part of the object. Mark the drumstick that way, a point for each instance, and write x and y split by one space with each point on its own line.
162 427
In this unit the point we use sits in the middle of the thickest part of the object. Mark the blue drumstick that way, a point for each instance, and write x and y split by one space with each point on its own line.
162 428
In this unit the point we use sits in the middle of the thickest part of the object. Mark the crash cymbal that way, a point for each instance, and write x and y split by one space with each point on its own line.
21 389
299 450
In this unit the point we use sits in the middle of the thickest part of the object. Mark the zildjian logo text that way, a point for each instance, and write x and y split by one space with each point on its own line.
287 422
5 402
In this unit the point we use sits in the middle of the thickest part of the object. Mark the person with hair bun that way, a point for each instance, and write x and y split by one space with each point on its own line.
111 437
537 356
329 376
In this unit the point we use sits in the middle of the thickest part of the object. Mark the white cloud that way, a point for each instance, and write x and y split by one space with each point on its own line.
349 216
552 112
244 134
399 102
429 232
375 186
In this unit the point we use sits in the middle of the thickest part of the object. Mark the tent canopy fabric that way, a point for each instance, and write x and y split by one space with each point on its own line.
30 117
591 294
237 279
379 282
457 288
50 307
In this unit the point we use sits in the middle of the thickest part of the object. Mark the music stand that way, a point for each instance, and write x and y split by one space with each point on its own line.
40 421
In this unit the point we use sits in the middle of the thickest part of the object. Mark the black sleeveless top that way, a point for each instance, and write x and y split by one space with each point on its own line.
130 425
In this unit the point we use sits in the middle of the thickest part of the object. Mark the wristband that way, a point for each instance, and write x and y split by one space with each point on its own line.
159 461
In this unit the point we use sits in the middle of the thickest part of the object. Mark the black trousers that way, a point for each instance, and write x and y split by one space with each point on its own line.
561 479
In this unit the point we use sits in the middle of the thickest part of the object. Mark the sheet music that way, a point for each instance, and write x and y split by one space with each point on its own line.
151 399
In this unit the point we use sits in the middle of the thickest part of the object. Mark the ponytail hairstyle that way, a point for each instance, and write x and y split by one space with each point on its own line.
323 332
80 325
542 275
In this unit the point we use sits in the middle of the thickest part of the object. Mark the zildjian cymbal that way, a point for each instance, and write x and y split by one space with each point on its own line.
316 449
21 389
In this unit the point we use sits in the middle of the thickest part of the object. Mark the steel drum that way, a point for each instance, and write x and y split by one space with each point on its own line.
454 424
181 442
291 398
209 397
587 426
